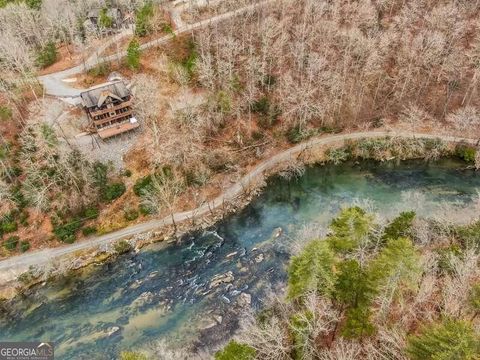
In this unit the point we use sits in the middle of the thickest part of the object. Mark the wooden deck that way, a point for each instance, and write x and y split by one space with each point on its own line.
117 129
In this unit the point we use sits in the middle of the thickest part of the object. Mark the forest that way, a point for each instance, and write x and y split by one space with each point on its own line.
407 289
219 88
281 73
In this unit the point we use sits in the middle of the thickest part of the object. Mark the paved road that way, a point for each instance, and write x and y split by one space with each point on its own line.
54 85
43 256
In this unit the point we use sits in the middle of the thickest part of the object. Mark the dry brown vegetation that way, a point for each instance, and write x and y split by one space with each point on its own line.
340 64
24 30
215 102
289 70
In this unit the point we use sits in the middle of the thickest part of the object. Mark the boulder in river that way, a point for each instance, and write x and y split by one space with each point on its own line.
231 254
207 324
152 274
244 300
221 279
277 232
225 299
112 330
144 298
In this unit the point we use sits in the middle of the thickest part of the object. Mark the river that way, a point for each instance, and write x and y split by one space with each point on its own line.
192 293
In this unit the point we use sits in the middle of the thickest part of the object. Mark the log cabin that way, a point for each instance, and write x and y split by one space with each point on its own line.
110 109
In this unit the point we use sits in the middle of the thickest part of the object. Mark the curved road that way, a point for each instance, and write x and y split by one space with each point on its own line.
54 84
43 256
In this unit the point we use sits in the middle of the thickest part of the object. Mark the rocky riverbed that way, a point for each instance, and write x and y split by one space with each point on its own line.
192 293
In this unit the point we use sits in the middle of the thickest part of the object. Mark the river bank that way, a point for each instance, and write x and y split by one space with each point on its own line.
193 289
395 146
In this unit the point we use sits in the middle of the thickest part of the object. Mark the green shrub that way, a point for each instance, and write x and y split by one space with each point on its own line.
99 173
269 81
261 106
189 61
450 339
18 197
146 210
196 177
300 329
105 21
401 226
257 135
8 223
102 69
143 185
108 192
122 247
127 173
89 230
26 277
14 171
133 54
330 129
337 155
445 258
67 232
11 243
129 355
91 213
114 191
23 218
47 55
131 214
24 246
268 113
466 153
236 85
469 235
386 148
143 20
48 133
34 4
474 298
297 134
235 351
167 29
5 113
8 226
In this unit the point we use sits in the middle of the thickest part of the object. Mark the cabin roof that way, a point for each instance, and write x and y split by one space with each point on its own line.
96 96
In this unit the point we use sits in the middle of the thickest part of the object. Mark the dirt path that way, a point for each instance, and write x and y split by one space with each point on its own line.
14 264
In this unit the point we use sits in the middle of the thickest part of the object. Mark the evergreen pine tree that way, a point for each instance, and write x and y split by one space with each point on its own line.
311 270
449 340
133 54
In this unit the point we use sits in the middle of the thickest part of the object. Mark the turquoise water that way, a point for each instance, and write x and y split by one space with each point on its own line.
167 293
